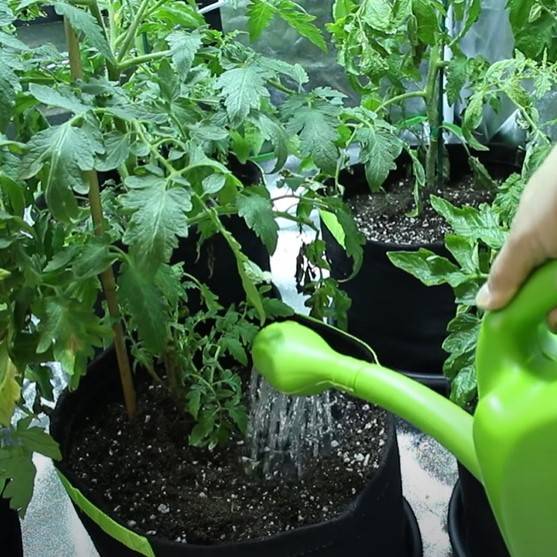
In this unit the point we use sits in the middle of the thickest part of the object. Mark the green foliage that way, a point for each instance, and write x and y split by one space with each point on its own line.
262 12
476 237
534 23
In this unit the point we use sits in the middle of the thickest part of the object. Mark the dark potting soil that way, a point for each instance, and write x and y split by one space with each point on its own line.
146 476
383 216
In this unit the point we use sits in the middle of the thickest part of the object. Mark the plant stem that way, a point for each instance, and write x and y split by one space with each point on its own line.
107 277
129 62
130 35
73 51
109 288
432 108
399 98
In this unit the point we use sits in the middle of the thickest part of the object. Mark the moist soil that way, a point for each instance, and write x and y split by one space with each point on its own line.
144 474
383 217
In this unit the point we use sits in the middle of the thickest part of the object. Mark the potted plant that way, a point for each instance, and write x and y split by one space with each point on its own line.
396 56
476 235
156 115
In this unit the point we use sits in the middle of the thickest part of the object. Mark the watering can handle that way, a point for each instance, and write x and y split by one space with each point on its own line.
536 298
517 332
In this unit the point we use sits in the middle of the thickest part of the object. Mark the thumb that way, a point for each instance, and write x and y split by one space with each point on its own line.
510 269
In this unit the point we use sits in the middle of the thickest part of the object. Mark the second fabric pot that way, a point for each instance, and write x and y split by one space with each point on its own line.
472 527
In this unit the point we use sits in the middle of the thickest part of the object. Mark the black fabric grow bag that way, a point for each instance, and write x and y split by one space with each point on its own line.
10 531
404 321
472 526
378 523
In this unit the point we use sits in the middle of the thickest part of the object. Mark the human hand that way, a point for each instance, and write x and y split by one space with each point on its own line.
531 240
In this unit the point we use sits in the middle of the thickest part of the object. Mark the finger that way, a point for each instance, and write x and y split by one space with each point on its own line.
519 256
552 320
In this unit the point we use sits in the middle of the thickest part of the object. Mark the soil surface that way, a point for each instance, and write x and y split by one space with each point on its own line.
146 476
383 216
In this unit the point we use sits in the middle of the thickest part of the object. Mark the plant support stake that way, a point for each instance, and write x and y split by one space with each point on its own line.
107 277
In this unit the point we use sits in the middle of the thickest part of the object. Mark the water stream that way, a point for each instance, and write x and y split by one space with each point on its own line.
283 431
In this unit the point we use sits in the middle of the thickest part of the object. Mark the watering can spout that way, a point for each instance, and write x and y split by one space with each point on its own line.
297 361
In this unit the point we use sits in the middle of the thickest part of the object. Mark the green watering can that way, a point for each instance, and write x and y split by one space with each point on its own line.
509 444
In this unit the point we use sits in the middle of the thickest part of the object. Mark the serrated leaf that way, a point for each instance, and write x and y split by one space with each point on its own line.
61 99
83 22
184 46
63 152
380 148
159 217
9 387
117 148
193 402
431 269
16 466
144 302
213 183
6 14
426 18
276 308
464 250
11 41
464 330
243 89
35 439
71 330
377 14
94 258
316 126
260 14
256 208
276 134
469 222
234 347
457 76
302 22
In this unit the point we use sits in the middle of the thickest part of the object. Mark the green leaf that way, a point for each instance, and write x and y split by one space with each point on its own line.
239 417
9 387
377 14
61 99
6 14
464 387
427 20
35 439
15 193
474 111
316 126
464 250
426 266
276 134
71 330
302 22
184 46
380 148
464 330
117 148
234 347
144 302
457 76
469 222
202 429
256 207
94 258
159 217
193 401
63 152
16 465
260 14
83 22
276 308
213 183
243 88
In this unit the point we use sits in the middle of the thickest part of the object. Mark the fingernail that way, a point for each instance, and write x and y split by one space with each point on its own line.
483 297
